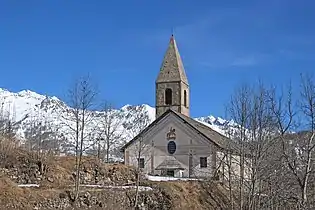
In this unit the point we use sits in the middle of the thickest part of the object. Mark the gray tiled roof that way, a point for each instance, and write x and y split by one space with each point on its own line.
219 139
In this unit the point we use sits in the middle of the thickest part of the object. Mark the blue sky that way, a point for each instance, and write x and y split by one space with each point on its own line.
121 44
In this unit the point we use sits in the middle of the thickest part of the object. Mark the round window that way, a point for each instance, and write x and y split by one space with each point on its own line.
171 147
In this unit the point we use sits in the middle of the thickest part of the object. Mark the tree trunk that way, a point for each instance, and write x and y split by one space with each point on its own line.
138 176
107 150
99 148
80 153
230 181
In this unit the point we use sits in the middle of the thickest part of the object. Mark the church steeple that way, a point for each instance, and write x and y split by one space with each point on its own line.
172 88
172 68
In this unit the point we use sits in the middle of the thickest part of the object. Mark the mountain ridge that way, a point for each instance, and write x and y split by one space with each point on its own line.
30 111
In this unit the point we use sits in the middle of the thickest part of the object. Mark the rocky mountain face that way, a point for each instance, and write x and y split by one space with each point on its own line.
47 122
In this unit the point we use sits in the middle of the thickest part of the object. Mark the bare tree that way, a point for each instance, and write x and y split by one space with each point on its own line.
297 149
8 140
7 121
41 136
138 120
239 109
251 141
82 99
308 146
228 129
112 129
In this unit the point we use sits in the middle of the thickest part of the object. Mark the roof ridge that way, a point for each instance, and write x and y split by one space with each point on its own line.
179 61
202 126
200 123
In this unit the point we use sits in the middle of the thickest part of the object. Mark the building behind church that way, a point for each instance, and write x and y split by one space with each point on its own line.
175 144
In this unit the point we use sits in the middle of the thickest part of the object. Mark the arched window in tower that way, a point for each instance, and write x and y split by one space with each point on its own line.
168 96
185 98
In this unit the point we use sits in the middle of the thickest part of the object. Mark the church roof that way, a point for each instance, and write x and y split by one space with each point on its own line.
215 137
172 69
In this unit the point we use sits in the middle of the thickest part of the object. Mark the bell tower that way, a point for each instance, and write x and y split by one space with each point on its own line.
171 85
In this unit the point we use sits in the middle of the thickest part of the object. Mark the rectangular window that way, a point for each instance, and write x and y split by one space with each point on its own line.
203 162
185 98
141 162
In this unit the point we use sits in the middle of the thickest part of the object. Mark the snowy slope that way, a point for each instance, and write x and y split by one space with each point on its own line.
31 110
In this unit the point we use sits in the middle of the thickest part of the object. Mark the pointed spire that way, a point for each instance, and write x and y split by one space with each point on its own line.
172 68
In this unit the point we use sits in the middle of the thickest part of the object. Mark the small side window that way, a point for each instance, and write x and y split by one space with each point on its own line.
203 162
141 162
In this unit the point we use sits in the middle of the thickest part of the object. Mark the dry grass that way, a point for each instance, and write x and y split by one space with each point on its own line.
14 197
194 195
12 194
58 177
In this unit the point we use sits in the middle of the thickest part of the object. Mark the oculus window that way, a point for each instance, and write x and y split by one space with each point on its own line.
171 147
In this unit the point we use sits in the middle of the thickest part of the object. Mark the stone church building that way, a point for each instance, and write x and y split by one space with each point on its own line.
175 144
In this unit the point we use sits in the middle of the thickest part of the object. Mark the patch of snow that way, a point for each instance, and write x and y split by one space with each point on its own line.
165 178
221 121
55 98
124 108
151 111
141 188
214 127
28 185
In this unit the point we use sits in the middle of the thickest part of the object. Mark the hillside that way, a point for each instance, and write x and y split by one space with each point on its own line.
29 183
49 119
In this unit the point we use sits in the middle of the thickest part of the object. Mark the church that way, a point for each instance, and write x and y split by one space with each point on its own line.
175 144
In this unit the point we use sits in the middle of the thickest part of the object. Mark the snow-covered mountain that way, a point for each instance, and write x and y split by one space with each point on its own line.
48 118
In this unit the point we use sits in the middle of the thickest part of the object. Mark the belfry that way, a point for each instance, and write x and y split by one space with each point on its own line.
172 88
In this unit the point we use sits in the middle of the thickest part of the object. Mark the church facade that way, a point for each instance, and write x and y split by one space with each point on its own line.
175 144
